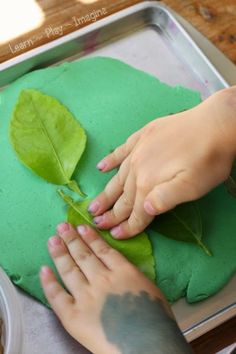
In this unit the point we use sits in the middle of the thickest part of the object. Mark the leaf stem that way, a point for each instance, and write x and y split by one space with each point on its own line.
205 248
70 201
198 239
73 185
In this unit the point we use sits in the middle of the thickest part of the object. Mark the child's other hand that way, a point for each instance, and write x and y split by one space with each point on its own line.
171 160
109 306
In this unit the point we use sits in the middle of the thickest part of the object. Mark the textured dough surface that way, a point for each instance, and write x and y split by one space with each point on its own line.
111 100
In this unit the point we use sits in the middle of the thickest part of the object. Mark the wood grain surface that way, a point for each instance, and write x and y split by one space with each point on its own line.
216 19
217 339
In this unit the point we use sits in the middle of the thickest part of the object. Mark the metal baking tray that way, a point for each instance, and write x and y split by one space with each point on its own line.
150 37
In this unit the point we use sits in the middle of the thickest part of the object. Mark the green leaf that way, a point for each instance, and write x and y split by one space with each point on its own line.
47 138
183 223
231 181
137 250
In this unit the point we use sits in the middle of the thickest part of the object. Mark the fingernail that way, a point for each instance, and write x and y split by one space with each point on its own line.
54 241
93 207
149 208
46 270
98 219
101 165
63 227
116 231
82 230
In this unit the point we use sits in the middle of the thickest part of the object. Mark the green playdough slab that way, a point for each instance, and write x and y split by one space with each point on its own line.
111 100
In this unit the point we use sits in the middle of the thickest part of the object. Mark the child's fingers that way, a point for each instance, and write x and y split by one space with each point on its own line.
60 301
108 197
121 209
136 223
108 255
167 195
112 191
82 255
68 270
119 154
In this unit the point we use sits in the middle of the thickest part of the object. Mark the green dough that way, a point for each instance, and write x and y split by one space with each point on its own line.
184 269
111 100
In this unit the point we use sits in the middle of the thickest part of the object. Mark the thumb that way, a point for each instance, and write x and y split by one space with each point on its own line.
167 195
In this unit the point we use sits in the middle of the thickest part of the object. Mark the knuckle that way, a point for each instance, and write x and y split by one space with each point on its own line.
68 269
131 140
83 256
115 154
106 191
109 216
160 204
119 180
52 291
135 160
114 213
111 186
119 152
70 241
124 149
192 187
103 250
123 168
150 127
133 227
103 278
126 201
136 221
103 198
142 183
113 216
135 217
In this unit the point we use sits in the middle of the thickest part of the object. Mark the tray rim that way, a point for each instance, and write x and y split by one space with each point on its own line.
116 17
229 311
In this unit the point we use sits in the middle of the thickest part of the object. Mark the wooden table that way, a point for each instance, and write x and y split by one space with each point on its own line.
214 18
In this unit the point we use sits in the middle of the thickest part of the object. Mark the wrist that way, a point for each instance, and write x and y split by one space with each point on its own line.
225 118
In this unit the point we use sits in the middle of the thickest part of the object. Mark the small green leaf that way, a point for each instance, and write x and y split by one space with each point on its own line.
183 223
137 250
47 138
231 181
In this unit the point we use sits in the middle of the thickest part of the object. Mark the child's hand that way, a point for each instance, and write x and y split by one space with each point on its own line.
109 306
168 162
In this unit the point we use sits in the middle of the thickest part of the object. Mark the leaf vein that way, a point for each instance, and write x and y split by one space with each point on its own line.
50 141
